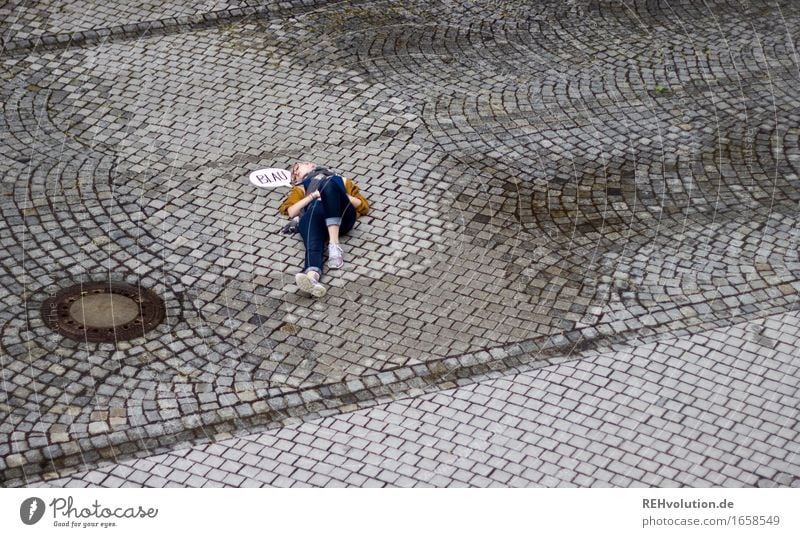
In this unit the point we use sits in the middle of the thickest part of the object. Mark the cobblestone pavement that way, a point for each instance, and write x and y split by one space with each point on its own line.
547 177
715 409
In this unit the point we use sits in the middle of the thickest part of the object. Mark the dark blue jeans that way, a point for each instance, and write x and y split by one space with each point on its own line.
334 208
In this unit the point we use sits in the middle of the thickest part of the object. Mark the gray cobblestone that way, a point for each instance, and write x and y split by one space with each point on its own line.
544 183
534 451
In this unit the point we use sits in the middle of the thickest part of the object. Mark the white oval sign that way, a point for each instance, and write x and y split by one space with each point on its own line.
271 178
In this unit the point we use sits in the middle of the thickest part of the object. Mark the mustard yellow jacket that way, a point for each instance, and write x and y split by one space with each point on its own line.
298 192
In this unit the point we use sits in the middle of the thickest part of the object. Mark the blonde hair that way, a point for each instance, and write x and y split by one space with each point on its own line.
296 169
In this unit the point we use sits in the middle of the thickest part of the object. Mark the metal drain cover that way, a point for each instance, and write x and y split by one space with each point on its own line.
103 312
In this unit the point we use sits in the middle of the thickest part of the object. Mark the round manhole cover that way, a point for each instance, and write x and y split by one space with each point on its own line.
103 311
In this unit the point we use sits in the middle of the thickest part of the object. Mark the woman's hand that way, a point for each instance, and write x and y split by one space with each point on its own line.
295 209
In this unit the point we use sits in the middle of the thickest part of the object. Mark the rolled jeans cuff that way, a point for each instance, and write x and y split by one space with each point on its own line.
312 269
336 221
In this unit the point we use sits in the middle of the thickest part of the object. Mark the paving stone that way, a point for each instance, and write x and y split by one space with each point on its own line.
545 184
559 455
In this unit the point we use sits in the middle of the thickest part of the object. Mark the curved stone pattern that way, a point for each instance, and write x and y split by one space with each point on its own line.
716 409
544 175
611 136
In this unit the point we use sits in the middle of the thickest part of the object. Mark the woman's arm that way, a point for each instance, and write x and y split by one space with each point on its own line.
295 209
294 196
354 200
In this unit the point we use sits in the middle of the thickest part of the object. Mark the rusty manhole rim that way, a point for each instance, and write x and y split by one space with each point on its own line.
56 312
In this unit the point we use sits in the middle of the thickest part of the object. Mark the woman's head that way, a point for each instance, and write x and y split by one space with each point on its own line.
300 169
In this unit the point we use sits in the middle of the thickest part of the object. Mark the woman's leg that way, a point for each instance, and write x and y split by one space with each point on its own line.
314 233
338 209
348 220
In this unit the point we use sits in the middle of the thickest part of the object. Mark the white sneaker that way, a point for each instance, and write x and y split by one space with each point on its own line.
335 256
309 284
